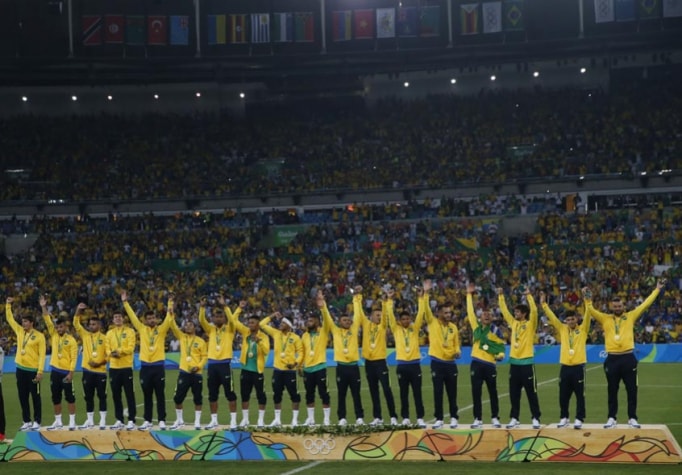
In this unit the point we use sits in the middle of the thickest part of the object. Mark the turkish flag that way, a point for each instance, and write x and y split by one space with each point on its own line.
114 29
157 30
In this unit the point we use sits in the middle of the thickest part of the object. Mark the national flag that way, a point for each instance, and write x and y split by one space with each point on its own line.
385 22
260 28
304 27
135 30
238 28
282 27
364 24
492 17
179 30
157 30
672 8
406 22
92 30
512 18
624 10
603 11
429 21
114 29
216 29
649 9
469 13
341 30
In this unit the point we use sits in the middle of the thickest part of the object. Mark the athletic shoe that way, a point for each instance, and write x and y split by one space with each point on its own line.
145 426
496 423
211 426
275 423
610 424
343 422
197 427
394 421
244 424
477 424
72 426
578 424
634 424
162 425
536 423
177 425
437 425
25 426
86 426
453 423
233 427
131 425
35 426
309 422
359 421
377 422
118 425
102 427
54 426
406 422
294 423
563 422
513 423
326 422
421 424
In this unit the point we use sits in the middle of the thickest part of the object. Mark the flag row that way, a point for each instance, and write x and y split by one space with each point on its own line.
280 27
386 23
607 11
491 17
114 29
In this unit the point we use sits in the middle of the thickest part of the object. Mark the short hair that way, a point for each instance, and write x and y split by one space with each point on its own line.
149 312
616 298
443 305
569 313
253 316
60 320
405 313
29 318
523 308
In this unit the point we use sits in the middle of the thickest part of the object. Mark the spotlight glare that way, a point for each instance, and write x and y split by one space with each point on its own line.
536 74
493 77
453 81
74 98
242 95
198 94
406 84
156 96
583 70
24 98
110 97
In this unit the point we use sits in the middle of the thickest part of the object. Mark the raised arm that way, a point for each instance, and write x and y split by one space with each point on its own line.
590 310
428 314
508 317
80 310
533 316
129 310
170 314
358 312
10 316
639 310
202 316
388 307
327 320
265 325
471 313
46 315
553 320
233 317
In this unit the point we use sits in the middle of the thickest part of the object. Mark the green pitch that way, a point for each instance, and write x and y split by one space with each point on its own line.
660 388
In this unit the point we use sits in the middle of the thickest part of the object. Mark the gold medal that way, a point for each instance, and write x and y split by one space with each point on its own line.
188 359
59 355
217 347
151 348
282 354
407 349
312 353
445 345
345 350
516 345
485 347
617 337
250 355
372 346
571 352
23 352
94 354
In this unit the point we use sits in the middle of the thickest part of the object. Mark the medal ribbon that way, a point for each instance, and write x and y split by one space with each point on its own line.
407 333
26 338
618 323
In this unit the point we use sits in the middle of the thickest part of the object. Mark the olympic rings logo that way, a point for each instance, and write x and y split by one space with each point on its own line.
319 446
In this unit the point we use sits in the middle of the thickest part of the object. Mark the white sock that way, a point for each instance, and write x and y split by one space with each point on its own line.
261 416
72 419
214 418
245 414
233 418
197 418
90 418
278 414
294 416
178 416
326 411
311 413
57 418
102 418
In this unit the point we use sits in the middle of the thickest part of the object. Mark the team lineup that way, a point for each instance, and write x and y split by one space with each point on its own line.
358 339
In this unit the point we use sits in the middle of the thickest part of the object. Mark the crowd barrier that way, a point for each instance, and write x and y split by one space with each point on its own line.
544 354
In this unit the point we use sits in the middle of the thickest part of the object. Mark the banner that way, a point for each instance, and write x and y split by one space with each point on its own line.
179 30
282 27
429 21
341 29
364 24
217 29
513 15
385 22
135 30
406 23
260 28
114 29
624 10
603 11
649 9
672 8
157 30
92 30
238 28
492 17
469 13
304 27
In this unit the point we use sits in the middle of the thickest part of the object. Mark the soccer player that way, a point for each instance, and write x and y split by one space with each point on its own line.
524 325
193 356
315 365
374 351
573 357
347 357
254 352
486 350
621 363
3 421
120 346
288 358
220 338
444 349
62 366
30 361
408 357
152 359
94 367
